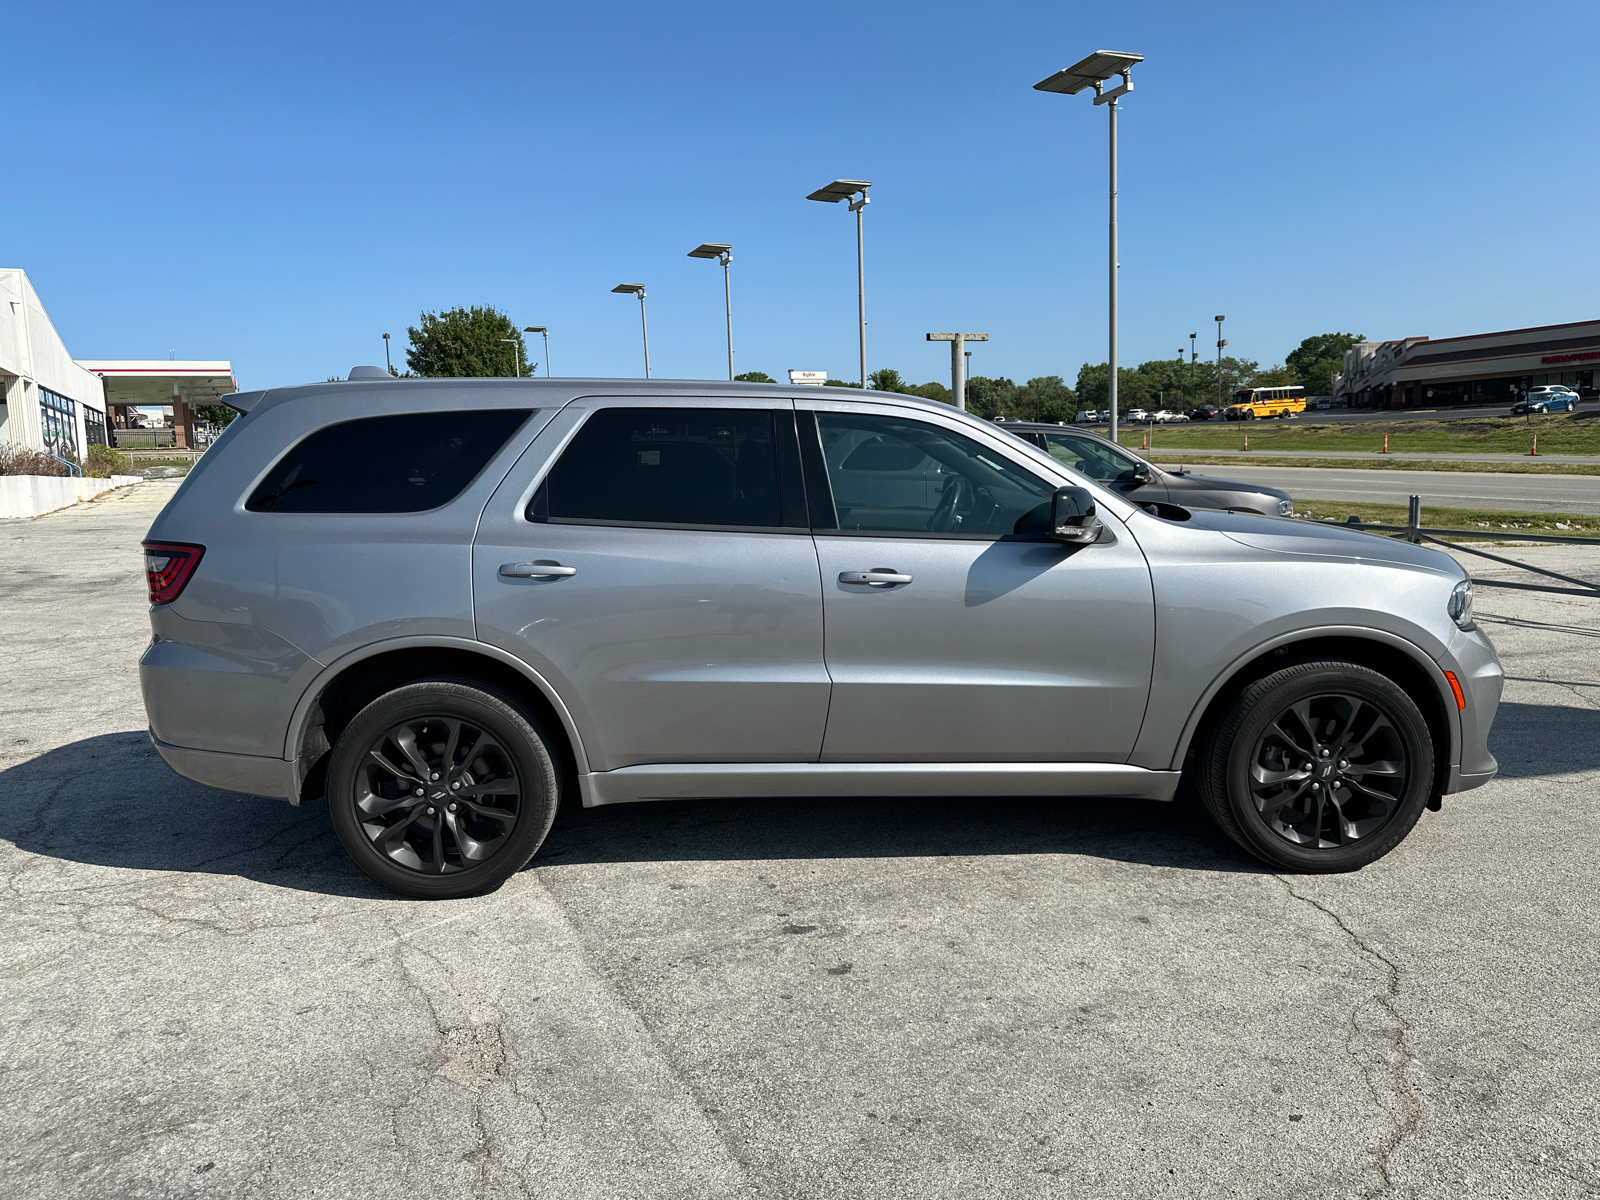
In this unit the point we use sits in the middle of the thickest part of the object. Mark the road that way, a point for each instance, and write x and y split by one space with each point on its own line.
807 1000
1452 489
1337 416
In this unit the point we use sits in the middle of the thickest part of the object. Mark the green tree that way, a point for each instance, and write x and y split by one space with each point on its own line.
886 379
991 398
1276 376
1044 398
465 342
754 377
931 391
839 383
1319 358
1133 389
215 414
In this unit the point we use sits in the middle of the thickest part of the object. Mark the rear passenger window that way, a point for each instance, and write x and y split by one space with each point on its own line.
667 466
408 462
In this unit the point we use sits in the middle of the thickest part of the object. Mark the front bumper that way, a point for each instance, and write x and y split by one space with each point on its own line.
247 773
1477 667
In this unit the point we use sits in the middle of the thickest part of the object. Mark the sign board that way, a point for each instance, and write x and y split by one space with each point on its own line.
808 378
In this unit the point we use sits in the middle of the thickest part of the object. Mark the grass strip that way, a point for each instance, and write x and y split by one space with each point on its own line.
1560 433
1491 520
1175 458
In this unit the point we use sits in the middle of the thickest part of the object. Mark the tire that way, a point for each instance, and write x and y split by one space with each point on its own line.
1263 798
447 842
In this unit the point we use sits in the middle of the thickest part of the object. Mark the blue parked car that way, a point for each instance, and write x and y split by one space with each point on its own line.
1546 398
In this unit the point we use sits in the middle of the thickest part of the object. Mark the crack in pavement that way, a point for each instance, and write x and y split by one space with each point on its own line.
1407 1110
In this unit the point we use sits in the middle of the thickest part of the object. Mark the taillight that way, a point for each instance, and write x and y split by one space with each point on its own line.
167 567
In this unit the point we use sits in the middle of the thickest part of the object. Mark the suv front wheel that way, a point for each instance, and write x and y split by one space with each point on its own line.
442 788
1319 767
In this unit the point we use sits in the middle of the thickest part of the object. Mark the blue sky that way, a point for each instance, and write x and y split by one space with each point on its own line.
280 184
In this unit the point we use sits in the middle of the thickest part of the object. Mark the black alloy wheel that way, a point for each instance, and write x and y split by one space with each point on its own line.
437 794
1328 771
442 788
1318 767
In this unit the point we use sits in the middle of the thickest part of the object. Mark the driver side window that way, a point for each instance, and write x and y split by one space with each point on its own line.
890 475
1090 457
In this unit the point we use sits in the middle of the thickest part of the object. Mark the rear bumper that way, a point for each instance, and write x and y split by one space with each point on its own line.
1465 783
247 773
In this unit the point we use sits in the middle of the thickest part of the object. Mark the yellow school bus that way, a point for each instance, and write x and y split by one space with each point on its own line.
1250 403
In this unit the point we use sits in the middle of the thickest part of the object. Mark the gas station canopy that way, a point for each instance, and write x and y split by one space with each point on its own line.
153 383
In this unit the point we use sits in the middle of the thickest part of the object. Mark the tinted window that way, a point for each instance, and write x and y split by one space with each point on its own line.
1090 457
667 466
892 475
403 463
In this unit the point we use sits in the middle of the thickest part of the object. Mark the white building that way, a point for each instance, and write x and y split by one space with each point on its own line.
52 403
47 401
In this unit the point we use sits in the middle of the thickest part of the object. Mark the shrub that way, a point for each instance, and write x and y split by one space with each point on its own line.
29 462
102 462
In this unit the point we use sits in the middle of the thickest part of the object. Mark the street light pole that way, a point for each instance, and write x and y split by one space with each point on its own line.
855 191
1221 342
544 330
386 361
637 289
723 253
1095 71
958 362
516 352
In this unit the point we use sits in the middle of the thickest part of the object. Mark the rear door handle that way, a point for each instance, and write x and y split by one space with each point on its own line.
544 568
877 577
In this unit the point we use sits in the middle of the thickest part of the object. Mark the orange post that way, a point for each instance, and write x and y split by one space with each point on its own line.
1386 443
1247 439
1145 445
1534 452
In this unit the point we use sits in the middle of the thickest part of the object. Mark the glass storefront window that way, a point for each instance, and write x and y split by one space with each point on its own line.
59 419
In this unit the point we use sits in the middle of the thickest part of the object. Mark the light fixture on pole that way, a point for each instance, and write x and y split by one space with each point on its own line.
958 362
637 289
1221 342
541 329
723 253
1193 357
516 351
847 189
1094 72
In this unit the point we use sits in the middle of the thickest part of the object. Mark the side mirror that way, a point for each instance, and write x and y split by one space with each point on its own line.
1139 475
1072 516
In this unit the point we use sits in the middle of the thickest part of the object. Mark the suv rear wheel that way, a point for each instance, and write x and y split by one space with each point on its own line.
1319 767
442 788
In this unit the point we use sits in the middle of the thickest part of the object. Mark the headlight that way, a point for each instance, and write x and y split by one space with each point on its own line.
1460 606
1286 508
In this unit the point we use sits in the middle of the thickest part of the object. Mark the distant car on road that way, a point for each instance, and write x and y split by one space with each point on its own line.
1204 412
1138 416
1546 400
1087 417
1166 416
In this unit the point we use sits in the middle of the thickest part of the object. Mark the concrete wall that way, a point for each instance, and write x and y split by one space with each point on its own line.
32 356
32 495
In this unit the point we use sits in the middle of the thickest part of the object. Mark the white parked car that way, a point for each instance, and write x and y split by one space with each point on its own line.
1087 417
1166 416
1138 416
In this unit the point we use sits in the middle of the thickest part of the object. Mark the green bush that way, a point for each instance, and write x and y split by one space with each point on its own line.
102 462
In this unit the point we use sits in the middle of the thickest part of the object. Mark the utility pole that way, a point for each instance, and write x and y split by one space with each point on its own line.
1221 342
958 362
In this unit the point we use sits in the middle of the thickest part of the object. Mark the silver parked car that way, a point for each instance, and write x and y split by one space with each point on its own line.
446 605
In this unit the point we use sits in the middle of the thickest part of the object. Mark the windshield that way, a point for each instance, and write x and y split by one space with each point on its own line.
1092 457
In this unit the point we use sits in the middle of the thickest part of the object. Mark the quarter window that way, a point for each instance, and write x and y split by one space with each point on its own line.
885 474
408 462
691 467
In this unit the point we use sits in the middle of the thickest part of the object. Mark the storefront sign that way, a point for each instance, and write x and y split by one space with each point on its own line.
1586 356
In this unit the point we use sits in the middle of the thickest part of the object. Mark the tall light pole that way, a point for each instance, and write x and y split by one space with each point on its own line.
1094 72
637 289
541 329
386 361
1221 342
958 362
723 253
516 351
847 189
1193 357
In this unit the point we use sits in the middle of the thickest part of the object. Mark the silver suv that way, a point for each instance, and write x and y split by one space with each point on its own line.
447 604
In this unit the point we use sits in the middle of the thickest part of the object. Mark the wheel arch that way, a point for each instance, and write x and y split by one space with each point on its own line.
349 684
1411 669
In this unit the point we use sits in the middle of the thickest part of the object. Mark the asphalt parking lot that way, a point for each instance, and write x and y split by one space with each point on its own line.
778 999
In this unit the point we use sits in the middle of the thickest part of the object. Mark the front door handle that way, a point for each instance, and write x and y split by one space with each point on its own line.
544 568
877 577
